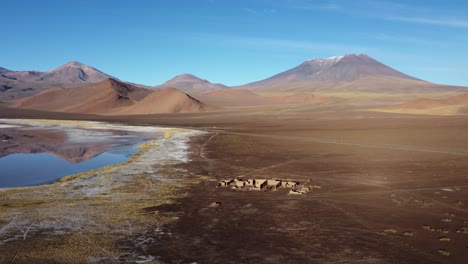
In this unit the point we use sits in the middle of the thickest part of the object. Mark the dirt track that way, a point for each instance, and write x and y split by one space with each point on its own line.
356 144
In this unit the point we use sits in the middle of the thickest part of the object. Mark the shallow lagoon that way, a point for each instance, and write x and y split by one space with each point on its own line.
35 153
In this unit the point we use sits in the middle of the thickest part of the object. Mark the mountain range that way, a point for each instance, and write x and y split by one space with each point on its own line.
19 84
311 82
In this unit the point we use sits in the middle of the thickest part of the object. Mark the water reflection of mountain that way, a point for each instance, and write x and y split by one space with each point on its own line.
54 142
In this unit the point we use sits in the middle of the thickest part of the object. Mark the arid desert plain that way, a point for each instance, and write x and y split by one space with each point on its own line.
379 187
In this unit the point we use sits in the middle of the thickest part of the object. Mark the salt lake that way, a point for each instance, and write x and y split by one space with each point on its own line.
35 152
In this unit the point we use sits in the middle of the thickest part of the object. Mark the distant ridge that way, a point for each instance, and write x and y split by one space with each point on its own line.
452 103
240 97
334 76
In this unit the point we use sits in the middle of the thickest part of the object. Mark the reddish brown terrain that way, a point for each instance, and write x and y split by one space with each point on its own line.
393 189
111 97
103 97
169 100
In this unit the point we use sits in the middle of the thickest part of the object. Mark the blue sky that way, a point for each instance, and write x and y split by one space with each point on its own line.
234 42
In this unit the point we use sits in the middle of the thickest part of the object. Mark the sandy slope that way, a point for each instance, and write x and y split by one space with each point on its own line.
105 96
112 97
169 100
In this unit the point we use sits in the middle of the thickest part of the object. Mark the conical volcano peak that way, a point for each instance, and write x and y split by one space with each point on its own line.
323 72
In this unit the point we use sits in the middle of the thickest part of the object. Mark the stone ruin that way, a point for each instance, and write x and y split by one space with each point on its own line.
266 185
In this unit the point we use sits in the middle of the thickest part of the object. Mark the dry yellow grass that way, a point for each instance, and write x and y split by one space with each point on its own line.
435 111
428 228
408 234
391 231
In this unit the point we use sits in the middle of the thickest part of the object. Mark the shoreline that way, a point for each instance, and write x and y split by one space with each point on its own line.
100 204
142 148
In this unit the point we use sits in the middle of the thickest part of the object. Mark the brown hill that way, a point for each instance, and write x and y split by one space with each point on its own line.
100 98
240 97
112 97
169 100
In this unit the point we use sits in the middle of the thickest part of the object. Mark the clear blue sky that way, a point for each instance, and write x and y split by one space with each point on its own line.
234 42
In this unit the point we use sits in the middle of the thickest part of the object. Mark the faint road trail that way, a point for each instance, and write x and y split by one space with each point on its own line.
202 154
357 144
202 148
